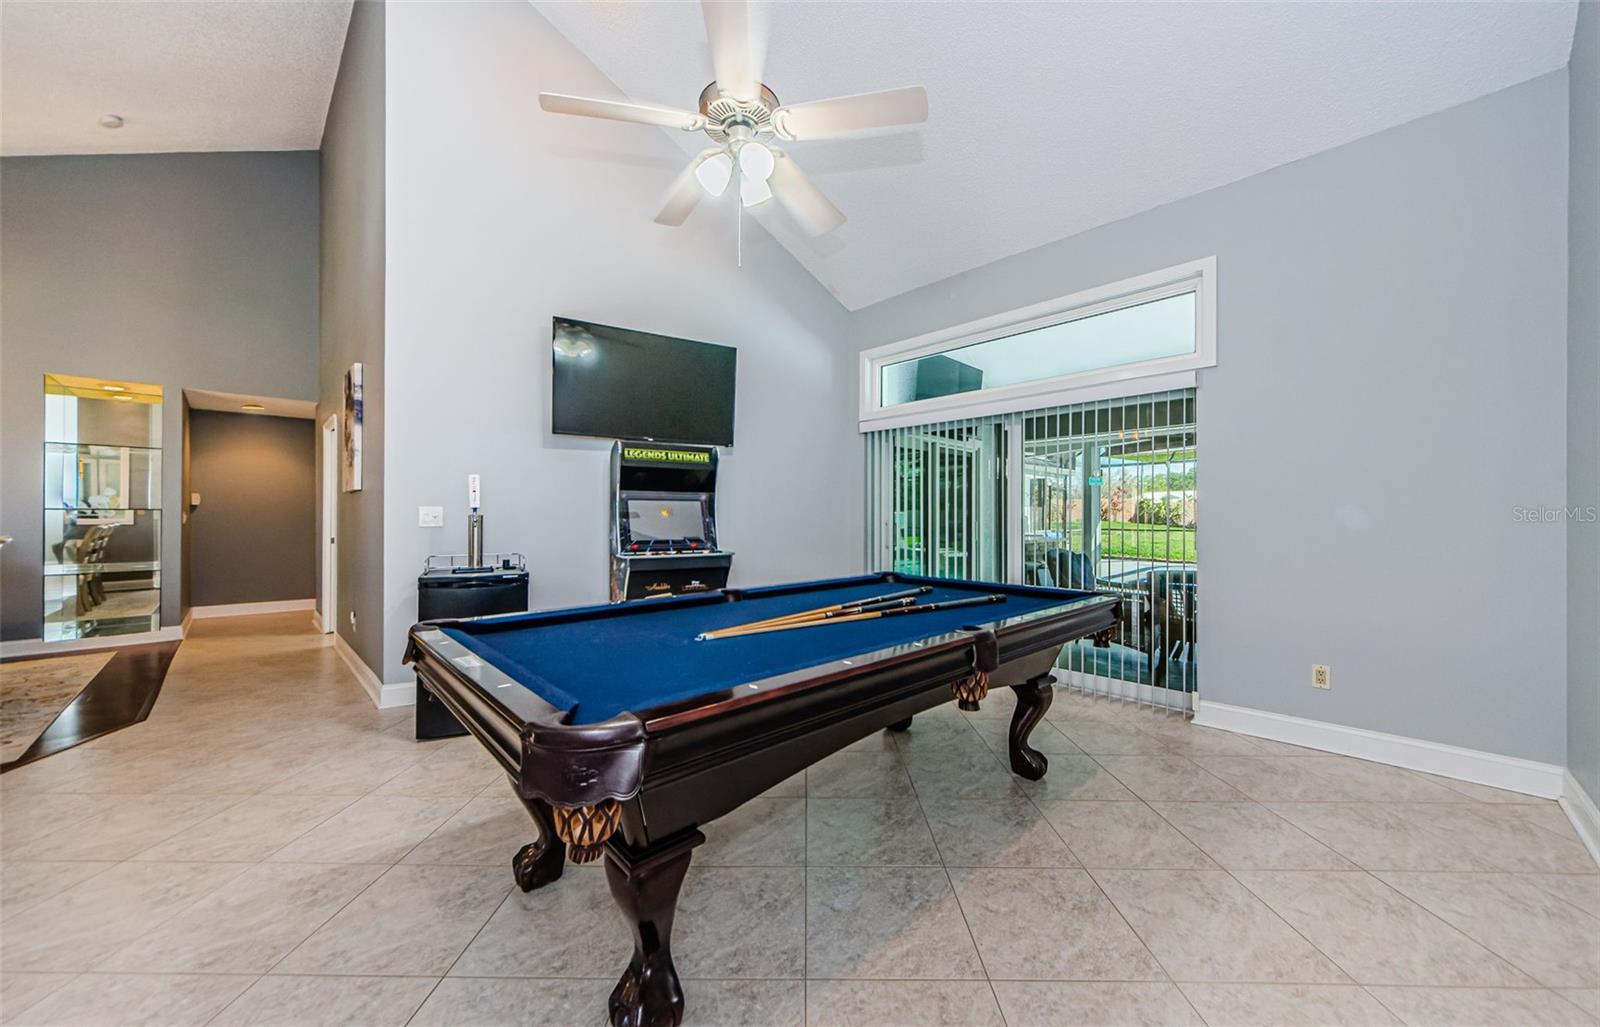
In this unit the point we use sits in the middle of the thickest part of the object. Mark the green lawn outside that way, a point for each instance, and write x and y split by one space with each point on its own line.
1125 540
1119 540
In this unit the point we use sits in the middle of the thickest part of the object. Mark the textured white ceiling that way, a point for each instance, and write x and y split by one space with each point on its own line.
205 75
1047 119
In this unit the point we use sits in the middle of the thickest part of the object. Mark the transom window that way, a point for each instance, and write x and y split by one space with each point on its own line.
1060 351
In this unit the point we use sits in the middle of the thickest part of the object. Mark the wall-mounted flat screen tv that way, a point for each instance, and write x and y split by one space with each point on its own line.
619 383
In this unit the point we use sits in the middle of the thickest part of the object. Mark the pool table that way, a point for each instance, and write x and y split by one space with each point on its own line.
623 732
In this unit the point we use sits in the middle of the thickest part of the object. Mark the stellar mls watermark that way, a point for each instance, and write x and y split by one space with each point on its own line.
1554 514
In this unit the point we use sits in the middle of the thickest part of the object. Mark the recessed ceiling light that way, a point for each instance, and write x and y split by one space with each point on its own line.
252 408
110 121
114 388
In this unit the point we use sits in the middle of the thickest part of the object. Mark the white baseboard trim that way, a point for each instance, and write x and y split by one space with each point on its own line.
1584 814
316 619
383 696
398 695
39 647
1545 780
188 622
251 609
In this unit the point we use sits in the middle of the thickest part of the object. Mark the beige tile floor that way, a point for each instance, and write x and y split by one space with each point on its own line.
268 848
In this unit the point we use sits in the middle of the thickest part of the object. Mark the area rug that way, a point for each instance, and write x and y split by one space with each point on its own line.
34 692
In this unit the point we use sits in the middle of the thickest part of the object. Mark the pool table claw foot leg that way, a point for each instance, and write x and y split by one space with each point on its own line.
645 885
540 862
1033 699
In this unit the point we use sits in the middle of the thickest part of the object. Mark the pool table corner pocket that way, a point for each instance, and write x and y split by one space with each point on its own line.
971 691
586 829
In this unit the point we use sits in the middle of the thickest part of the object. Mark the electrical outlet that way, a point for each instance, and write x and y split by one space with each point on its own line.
352 620
1321 676
430 516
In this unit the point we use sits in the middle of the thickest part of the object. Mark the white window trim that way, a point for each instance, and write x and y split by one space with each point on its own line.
1156 375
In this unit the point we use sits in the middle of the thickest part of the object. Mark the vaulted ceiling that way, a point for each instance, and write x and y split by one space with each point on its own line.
184 76
1048 119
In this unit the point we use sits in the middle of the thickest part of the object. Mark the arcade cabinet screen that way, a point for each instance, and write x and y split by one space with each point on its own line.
652 520
621 384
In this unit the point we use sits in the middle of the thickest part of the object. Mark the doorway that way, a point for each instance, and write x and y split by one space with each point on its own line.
1111 507
1094 496
327 598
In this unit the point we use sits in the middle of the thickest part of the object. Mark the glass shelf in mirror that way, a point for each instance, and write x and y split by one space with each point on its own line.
101 537
67 570
83 607
80 476
100 412
102 507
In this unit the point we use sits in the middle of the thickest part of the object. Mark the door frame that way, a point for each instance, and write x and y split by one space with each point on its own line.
328 598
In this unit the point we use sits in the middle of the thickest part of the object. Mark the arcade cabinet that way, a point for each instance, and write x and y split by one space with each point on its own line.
663 521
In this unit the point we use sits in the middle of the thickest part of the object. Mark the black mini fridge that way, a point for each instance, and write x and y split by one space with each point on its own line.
448 591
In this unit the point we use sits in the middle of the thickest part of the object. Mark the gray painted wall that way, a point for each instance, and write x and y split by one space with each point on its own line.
1583 405
501 216
186 270
253 536
1391 343
352 316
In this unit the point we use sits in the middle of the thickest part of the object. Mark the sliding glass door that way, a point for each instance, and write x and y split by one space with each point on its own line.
1093 496
1115 512
936 496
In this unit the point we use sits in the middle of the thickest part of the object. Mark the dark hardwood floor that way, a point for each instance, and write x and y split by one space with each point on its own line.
122 693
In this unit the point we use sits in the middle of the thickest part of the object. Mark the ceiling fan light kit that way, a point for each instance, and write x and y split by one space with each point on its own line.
713 172
743 117
753 190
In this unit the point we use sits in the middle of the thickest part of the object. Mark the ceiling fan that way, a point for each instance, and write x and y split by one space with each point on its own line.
745 120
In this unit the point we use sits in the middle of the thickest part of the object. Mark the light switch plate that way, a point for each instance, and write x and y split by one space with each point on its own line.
430 516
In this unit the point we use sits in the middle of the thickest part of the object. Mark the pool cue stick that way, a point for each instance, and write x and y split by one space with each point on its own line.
851 604
844 611
836 607
742 630
848 611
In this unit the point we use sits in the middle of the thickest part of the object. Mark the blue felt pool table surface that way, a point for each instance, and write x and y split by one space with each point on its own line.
600 661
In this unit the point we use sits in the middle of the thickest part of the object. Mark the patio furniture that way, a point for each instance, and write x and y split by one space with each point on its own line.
1173 598
1063 568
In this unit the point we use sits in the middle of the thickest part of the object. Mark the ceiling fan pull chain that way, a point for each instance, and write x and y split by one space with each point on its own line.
738 179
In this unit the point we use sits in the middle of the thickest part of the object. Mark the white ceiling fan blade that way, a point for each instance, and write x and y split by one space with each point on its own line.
736 50
805 203
617 110
820 119
685 193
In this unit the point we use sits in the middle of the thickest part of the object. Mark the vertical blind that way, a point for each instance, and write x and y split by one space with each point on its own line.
1096 495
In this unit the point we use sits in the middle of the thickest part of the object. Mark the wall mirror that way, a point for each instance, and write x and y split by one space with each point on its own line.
102 507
